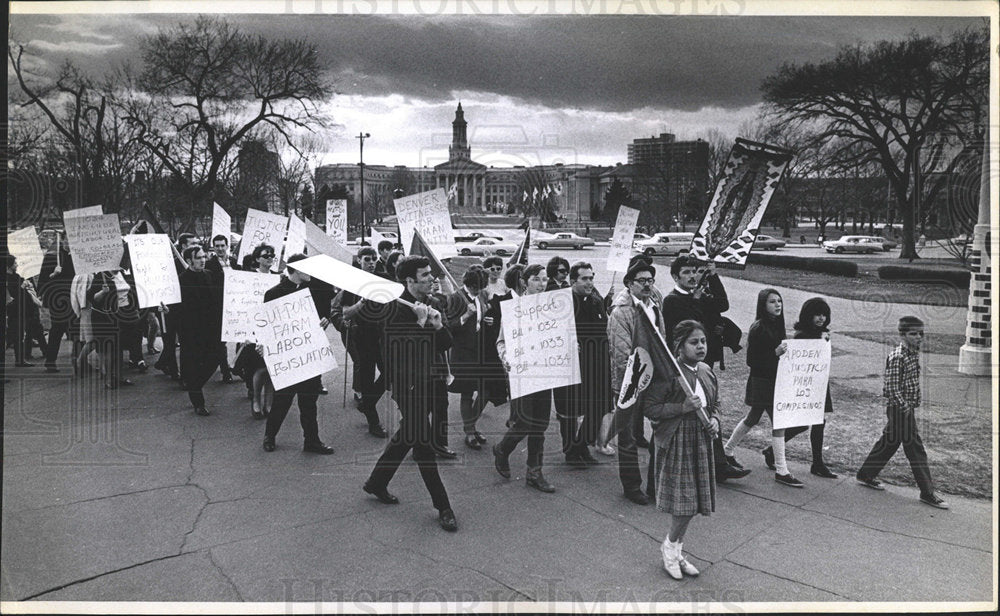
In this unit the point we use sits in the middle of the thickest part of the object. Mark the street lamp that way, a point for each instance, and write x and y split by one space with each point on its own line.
362 137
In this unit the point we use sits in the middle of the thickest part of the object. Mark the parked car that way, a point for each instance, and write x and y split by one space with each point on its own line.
887 244
854 243
639 237
475 235
665 244
563 240
389 235
766 242
487 247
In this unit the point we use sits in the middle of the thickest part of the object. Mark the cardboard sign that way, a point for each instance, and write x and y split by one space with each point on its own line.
622 240
427 211
153 269
539 331
96 242
336 220
243 293
24 246
222 223
800 387
319 243
351 279
295 346
262 228
81 212
296 241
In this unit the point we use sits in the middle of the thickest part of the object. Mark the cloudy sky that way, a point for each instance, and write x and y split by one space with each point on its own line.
535 89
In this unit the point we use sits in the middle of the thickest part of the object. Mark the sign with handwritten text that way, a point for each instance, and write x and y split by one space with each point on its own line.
153 268
296 241
540 336
222 222
428 212
622 240
336 220
295 346
243 293
96 242
800 387
24 245
262 228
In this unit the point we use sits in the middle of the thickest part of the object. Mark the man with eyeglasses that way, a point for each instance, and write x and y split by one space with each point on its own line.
199 317
557 270
699 295
591 398
360 324
625 312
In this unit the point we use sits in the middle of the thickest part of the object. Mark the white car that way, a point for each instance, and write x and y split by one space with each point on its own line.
665 244
389 235
486 247
854 243
562 240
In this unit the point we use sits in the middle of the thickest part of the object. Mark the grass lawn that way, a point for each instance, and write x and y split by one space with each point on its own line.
866 286
946 344
957 438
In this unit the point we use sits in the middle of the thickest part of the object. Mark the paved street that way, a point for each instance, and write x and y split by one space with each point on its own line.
128 496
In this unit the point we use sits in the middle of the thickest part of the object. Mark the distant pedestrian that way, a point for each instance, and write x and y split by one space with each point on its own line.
901 390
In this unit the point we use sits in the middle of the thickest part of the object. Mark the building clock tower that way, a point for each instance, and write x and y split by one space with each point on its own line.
459 148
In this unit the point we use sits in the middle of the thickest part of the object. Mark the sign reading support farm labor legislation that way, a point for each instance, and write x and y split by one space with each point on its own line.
96 242
153 269
80 212
222 223
295 346
243 293
336 220
540 335
622 240
428 212
800 388
262 228
24 246
296 241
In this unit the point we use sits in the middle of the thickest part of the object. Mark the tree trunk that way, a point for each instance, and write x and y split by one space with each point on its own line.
908 248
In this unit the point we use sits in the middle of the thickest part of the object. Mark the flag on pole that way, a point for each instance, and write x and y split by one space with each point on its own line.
558 189
453 191
534 193
151 219
521 254
525 195
419 246
546 192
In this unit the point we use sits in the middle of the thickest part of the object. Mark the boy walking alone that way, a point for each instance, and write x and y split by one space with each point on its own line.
902 393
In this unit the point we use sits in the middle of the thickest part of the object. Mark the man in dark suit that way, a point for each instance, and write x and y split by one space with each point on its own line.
415 339
308 390
465 310
54 286
382 267
199 325
700 295
558 271
591 398
219 261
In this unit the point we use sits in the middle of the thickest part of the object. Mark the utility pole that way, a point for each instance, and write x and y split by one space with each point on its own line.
364 226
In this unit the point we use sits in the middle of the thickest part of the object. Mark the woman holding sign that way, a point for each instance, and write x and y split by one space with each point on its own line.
531 411
685 470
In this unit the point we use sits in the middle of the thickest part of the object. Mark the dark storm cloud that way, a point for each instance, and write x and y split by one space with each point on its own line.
608 63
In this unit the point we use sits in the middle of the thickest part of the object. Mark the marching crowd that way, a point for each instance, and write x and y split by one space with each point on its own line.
442 340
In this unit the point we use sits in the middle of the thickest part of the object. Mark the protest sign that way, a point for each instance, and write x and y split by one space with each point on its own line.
296 241
428 212
96 242
800 387
336 220
24 246
350 279
540 334
243 293
81 212
295 346
622 240
262 228
319 243
153 269
222 224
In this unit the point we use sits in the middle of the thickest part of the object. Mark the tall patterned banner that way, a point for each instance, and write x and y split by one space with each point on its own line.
153 268
336 220
733 218
96 242
222 223
24 245
262 228
622 239
428 212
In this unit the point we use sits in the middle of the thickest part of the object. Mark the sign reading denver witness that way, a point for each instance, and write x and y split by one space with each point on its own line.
428 212
540 335
262 228
153 269
622 240
96 242
295 346
243 293
800 387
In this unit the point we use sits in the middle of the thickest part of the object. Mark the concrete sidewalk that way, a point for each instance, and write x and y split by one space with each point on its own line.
128 496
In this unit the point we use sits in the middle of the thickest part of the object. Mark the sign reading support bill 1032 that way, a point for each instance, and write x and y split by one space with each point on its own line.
540 336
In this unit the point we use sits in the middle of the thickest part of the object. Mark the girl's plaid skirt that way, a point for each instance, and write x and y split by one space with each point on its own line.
685 471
